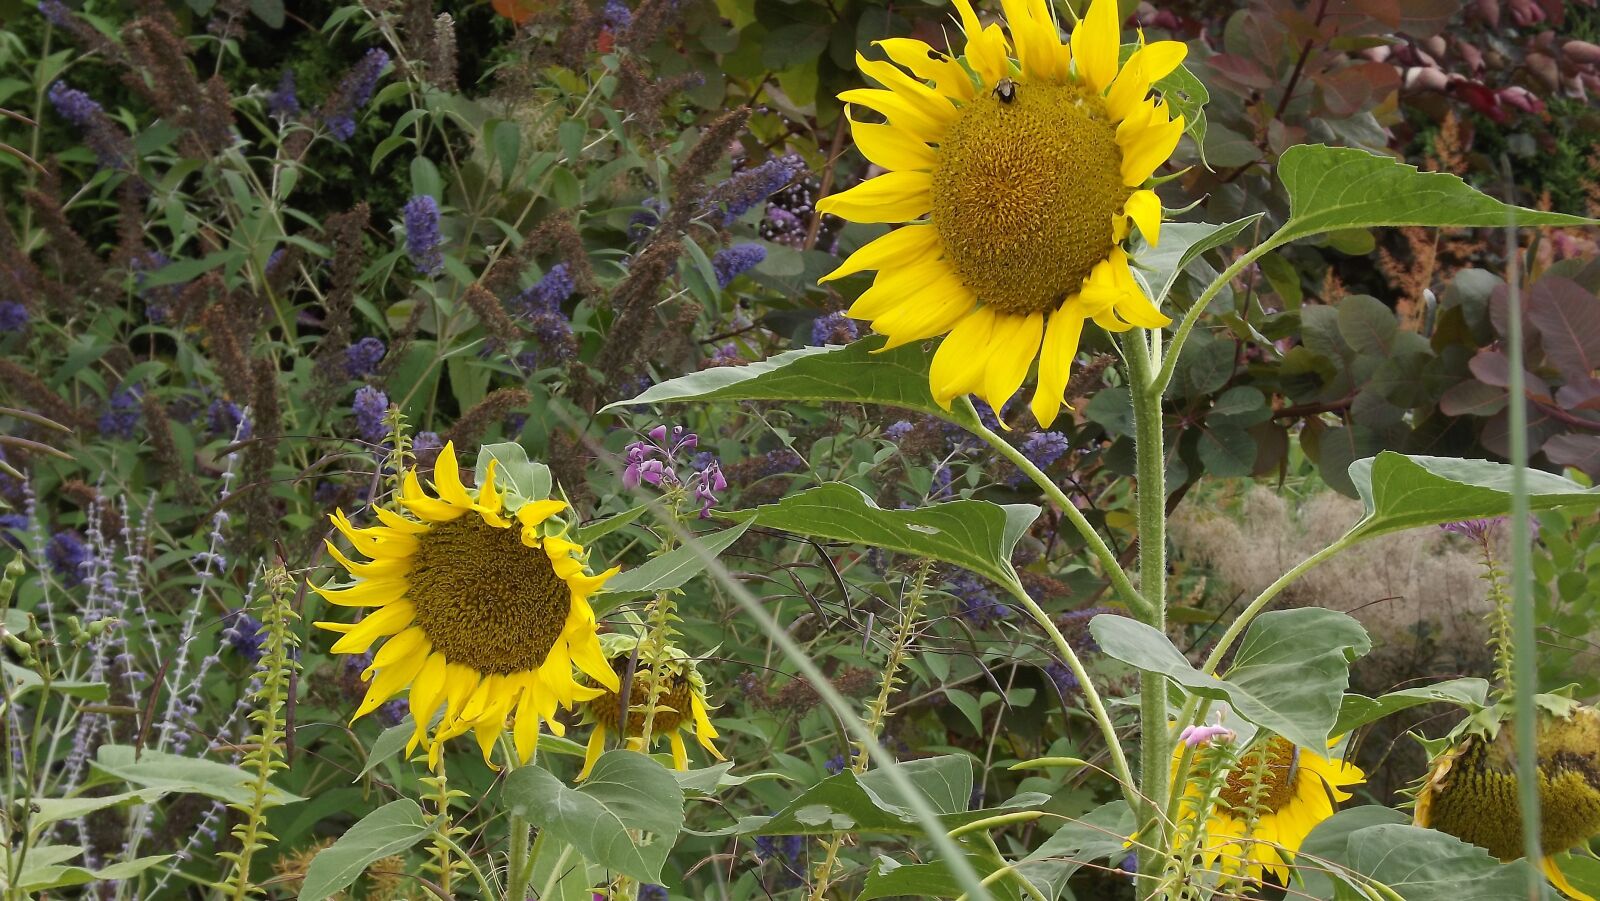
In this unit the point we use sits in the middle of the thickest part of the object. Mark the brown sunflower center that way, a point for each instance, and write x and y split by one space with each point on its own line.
485 599
1476 799
672 706
1025 191
1263 779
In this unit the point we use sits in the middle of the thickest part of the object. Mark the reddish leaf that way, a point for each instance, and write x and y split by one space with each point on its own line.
1492 368
1584 395
519 11
1355 88
1241 71
1579 451
1472 398
1413 18
1568 320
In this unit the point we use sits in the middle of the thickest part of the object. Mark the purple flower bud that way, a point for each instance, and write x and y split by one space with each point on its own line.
371 407
66 554
361 359
353 93
13 316
1194 736
834 328
283 102
735 261
423 241
121 415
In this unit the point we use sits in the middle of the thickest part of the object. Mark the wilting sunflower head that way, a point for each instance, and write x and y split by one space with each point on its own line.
483 606
1268 801
1470 791
680 700
1021 168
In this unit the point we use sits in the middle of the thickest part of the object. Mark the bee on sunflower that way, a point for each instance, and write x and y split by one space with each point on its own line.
1470 790
1020 170
483 607
1269 801
680 701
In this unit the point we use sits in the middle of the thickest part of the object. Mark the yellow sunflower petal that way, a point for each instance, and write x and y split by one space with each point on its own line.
430 509
490 498
1014 352
1560 881
1034 34
1144 208
399 523
447 478
370 570
588 658
384 621
958 364
912 242
939 307
596 747
680 754
892 148
1056 352
947 75
901 284
412 642
1149 147
533 514
930 103
1131 86
386 684
487 731
378 543
891 197
582 586
366 593
526 731
900 112
427 692
459 683
1096 44
704 731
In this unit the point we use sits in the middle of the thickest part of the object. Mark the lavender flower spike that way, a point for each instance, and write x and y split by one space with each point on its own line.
736 261
423 241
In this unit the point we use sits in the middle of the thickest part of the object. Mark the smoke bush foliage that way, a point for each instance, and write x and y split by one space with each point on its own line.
257 260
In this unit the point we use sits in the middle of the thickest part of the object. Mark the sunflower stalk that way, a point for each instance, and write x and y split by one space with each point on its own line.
1151 464
878 708
266 756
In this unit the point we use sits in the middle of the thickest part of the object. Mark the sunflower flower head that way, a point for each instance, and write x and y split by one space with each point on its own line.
1267 802
481 604
1470 791
1021 168
680 700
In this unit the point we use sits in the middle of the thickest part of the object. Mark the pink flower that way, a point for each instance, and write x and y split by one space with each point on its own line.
1194 736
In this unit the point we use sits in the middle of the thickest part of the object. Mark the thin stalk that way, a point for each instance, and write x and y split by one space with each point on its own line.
1097 545
1169 363
1155 749
519 869
1523 639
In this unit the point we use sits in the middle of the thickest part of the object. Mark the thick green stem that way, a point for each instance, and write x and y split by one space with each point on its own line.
1097 545
1155 747
518 866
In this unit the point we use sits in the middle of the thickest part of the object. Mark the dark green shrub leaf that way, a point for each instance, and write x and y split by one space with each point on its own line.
390 829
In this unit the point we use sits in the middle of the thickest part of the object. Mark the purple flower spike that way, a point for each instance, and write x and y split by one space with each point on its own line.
423 241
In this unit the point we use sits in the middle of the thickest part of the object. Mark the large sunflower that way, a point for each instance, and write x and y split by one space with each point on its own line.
1298 789
1030 172
680 702
485 613
1470 791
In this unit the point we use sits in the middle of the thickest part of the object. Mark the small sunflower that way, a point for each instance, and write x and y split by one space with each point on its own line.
1470 791
484 613
1031 171
1299 789
681 701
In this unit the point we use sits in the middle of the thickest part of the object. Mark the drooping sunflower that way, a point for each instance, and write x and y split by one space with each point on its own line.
484 612
1298 789
1470 791
680 701
1021 169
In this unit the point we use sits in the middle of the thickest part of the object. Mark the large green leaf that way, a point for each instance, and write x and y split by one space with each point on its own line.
1402 491
54 810
625 791
1101 834
1181 244
390 829
976 535
44 869
27 680
1417 864
850 374
559 872
845 802
1358 710
173 773
526 480
1288 676
1334 188
670 570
